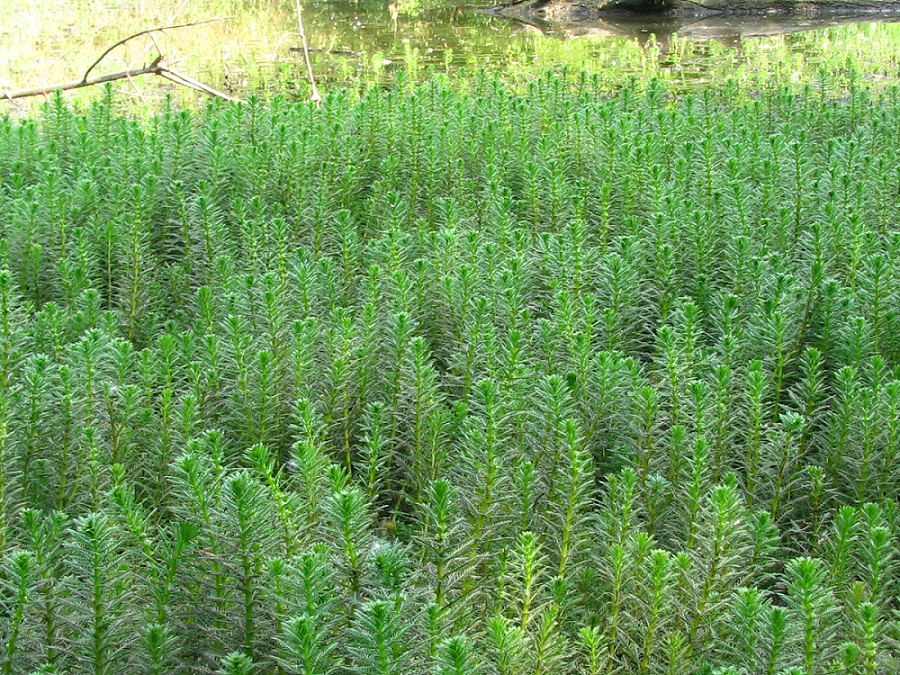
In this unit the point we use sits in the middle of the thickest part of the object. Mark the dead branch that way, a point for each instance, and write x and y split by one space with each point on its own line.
315 97
182 79
152 68
149 31
155 67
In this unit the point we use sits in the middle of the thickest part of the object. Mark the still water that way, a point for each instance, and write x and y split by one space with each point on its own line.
253 46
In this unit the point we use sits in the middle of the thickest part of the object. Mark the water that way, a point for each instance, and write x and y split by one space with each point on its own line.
370 40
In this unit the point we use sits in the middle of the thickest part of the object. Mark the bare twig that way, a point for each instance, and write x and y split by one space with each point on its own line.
182 79
137 90
156 67
155 45
160 29
152 68
315 96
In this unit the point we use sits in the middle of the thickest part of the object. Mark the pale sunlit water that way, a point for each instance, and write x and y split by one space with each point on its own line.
47 41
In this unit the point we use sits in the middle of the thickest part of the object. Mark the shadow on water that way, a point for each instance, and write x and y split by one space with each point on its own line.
729 30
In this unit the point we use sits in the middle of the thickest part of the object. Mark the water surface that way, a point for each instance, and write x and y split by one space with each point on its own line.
369 40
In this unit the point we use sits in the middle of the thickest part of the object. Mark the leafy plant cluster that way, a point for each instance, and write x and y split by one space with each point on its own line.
453 380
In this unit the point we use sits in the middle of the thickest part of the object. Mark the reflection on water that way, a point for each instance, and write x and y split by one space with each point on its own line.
369 40
731 31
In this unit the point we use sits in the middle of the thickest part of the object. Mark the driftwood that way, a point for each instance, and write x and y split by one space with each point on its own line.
156 67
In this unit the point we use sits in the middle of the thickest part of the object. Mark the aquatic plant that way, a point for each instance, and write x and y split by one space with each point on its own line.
453 379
